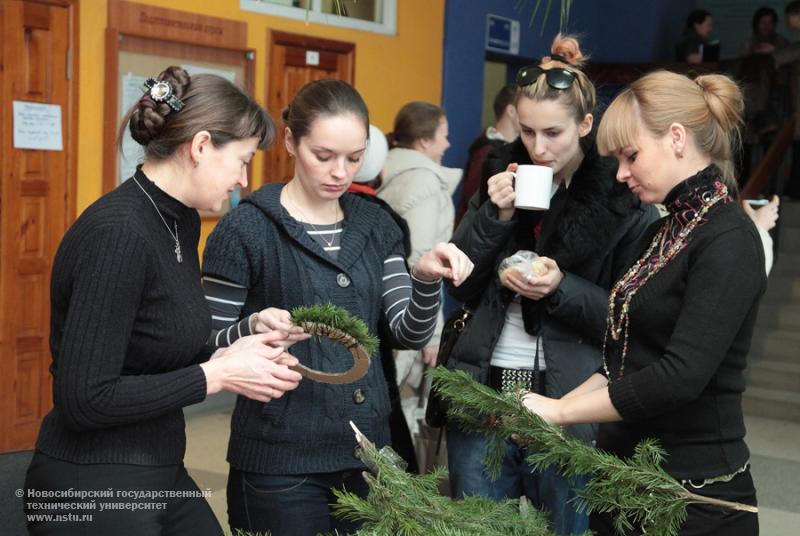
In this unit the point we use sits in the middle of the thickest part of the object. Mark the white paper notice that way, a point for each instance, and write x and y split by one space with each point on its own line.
230 76
132 152
37 126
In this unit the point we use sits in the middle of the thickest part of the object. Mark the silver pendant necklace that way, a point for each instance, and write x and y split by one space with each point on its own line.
314 227
173 235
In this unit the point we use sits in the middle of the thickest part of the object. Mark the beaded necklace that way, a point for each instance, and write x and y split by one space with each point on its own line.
648 265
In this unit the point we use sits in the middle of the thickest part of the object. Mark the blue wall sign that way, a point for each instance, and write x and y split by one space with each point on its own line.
502 34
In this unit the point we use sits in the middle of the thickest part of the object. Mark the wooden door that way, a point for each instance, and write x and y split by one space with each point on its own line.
36 202
294 61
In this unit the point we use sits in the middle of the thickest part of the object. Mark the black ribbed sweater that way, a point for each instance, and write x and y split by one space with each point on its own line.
690 331
128 327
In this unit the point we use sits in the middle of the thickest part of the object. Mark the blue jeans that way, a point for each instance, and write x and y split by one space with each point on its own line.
290 505
547 490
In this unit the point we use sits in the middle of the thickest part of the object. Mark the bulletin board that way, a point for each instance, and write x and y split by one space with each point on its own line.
141 41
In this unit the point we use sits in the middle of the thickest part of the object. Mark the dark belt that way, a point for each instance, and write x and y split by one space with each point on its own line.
505 379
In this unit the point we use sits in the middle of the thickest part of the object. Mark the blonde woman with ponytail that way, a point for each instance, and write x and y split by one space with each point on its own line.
680 319
535 330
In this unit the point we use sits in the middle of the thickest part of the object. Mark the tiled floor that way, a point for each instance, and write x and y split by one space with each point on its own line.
774 445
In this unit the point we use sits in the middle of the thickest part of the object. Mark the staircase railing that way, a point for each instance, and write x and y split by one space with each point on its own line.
757 182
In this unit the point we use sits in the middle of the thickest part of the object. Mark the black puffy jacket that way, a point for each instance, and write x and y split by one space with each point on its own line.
592 236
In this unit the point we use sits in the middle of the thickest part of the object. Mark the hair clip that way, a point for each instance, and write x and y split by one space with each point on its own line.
161 91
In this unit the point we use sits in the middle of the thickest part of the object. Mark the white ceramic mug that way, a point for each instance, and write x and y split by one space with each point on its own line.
533 186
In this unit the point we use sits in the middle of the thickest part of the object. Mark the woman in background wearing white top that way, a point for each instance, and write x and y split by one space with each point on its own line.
420 190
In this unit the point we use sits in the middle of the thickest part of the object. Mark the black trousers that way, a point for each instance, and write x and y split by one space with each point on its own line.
67 498
705 519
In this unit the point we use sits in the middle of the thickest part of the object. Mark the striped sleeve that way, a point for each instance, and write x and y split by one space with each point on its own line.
226 301
410 304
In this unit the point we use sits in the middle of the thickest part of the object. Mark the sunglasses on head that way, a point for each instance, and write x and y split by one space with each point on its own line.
556 77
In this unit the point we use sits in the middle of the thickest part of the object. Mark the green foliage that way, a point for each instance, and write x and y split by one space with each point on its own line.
566 5
339 319
637 490
410 505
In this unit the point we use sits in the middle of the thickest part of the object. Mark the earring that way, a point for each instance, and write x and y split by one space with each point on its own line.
195 163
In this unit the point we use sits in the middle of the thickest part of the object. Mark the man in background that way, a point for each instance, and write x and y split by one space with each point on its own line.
504 130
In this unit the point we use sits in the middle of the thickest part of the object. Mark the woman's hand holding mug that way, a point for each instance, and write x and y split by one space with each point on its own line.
526 187
501 192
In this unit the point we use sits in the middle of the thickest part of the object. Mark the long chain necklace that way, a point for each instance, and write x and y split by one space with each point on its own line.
633 280
314 227
173 235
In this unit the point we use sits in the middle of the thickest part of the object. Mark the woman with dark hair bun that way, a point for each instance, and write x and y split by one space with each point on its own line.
130 324
302 243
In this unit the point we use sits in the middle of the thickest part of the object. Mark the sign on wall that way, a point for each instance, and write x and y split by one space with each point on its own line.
37 126
502 34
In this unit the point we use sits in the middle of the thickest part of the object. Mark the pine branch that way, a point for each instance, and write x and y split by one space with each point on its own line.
637 489
336 318
409 505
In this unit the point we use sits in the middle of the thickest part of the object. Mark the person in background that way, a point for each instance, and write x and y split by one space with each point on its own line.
534 330
764 91
130 322
368 179
364 185
680 321
790 56
420 189
765 39
308 242
699 25
765 218
504 130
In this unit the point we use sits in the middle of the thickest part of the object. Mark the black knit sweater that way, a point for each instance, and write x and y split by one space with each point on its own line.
128 327
260 246
690 331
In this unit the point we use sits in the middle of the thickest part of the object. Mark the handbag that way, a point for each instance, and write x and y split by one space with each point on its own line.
436 410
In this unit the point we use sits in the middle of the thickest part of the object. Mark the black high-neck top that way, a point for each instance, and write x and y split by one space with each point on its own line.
689 335
128 330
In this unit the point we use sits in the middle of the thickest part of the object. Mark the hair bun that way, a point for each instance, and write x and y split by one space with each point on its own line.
149 116
724 99
568 47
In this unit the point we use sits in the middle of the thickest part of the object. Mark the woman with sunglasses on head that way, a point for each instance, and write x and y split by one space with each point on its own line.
537 330
680 320
304 243
130 324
